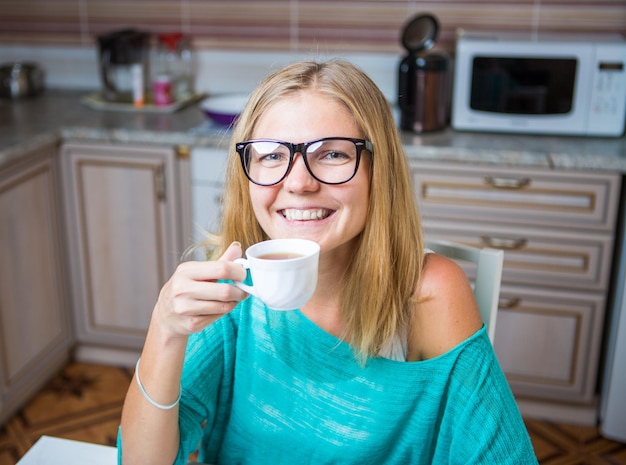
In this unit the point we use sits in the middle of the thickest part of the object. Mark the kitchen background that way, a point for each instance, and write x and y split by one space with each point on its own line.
239 41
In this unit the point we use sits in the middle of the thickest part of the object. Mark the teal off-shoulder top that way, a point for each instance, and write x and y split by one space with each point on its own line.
270 387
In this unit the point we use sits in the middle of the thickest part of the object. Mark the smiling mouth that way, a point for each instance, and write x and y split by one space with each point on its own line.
306 215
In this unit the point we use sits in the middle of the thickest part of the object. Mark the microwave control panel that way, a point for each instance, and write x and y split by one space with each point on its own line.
608 93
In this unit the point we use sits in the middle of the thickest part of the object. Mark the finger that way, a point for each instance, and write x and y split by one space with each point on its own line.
208 271
233 251
198 296
236 271
198 308
196 323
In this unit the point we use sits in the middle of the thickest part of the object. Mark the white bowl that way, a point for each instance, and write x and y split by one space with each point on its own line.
224 108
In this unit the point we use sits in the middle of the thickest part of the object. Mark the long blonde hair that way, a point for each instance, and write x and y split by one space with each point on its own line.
376 298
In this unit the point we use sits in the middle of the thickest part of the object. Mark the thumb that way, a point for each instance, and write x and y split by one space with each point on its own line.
233 251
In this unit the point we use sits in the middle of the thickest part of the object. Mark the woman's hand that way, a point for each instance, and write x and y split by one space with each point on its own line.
192 298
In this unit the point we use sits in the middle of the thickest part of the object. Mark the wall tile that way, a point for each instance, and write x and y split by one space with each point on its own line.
296 25
40 21
241 24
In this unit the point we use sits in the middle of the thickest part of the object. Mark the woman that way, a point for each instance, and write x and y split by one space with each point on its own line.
387 363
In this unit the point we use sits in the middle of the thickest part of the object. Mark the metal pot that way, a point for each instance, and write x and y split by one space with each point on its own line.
19 80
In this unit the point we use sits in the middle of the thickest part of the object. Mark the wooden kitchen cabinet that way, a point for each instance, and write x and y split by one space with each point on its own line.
207 174
124 233
35 331
557 230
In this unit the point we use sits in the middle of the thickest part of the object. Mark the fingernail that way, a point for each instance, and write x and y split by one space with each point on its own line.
236 243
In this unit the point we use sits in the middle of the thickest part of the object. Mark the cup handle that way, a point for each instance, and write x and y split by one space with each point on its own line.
249 289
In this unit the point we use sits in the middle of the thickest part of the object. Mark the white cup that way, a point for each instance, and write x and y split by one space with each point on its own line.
283 271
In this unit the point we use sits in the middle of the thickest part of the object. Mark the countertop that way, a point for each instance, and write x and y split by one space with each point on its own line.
60 114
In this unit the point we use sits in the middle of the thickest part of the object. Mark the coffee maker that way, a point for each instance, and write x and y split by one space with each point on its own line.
423 78
124 61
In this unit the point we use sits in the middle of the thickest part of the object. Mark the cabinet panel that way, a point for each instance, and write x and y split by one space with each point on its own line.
31 289
208 171
207 209
34 313
531 256
124 234
120 233
550 198
547 342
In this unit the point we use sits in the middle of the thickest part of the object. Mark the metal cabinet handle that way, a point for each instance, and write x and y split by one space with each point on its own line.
502 182
504 243
159 182
183 152
507 304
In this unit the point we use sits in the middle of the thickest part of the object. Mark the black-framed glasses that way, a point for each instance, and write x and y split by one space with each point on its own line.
330 160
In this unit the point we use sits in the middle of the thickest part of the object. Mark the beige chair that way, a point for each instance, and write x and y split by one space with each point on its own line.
487 277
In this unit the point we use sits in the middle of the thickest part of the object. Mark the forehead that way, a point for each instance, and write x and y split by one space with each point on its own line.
305 116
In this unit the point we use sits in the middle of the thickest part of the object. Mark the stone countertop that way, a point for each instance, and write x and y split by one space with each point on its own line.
57 115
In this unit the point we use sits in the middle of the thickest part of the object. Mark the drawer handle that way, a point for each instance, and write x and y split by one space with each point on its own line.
507 304
159 182
183 152
504 243
501 182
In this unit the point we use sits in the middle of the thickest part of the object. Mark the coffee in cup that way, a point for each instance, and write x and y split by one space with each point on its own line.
283 272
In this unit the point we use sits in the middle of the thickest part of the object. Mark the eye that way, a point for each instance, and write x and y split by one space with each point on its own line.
335 155
332 152
268 153
330 157
270 157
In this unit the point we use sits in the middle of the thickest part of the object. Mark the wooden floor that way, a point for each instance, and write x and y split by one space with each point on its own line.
84 403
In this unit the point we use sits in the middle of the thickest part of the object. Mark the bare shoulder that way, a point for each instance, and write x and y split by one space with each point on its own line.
446 312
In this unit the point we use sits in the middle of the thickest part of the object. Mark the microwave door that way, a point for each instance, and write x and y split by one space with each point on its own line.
523 86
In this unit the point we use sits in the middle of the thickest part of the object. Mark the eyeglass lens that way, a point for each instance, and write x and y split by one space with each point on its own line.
331 161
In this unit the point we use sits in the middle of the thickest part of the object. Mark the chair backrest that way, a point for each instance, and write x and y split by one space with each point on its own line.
488 275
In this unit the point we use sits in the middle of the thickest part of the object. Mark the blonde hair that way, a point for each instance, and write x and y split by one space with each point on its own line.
376 298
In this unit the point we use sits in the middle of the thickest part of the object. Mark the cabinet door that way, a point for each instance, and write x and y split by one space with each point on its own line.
124 237
548 342
34 315
208 171
207 209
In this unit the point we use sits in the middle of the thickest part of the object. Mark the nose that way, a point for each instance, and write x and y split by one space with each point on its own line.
299 179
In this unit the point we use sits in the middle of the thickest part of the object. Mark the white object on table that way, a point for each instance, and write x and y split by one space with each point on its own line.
56 451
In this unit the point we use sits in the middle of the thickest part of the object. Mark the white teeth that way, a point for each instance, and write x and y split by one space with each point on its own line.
305 215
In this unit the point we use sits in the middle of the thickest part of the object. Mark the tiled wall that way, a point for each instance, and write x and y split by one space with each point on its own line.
295 25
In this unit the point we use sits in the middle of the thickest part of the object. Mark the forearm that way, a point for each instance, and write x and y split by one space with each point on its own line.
191 300
150 434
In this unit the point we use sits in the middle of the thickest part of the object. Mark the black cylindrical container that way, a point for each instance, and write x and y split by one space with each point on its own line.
423 78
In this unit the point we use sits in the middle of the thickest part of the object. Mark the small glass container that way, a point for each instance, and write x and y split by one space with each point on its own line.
175 58
162 90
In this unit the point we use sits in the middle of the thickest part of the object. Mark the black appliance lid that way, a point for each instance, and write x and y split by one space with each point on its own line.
420 32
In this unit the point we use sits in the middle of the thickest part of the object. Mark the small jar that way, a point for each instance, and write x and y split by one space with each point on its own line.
162 90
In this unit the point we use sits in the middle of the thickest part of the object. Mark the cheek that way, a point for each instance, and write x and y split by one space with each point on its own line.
261 199
359 200
363 209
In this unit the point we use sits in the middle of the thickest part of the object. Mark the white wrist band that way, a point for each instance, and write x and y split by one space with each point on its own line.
148 398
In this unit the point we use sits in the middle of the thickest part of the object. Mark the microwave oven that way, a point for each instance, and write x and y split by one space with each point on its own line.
552 84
